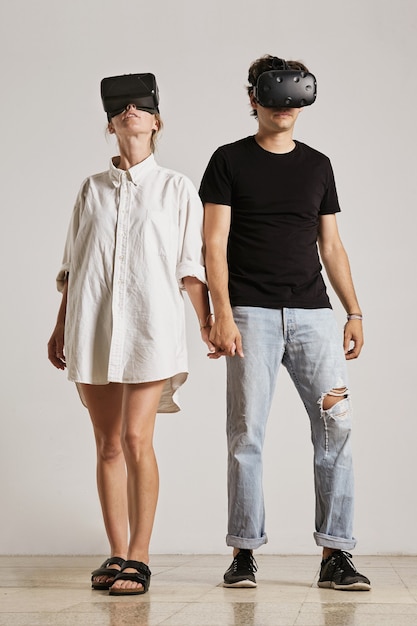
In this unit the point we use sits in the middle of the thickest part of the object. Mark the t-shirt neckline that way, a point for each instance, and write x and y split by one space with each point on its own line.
275 154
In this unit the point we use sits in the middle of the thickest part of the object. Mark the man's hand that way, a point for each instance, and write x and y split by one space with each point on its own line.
353 336
225 337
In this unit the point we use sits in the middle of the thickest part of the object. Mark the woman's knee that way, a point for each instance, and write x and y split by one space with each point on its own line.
109 449
136 442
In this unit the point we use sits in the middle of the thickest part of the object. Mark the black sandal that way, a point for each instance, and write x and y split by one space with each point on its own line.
141 576
105 570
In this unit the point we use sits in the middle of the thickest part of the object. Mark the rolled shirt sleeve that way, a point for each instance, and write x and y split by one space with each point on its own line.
190 231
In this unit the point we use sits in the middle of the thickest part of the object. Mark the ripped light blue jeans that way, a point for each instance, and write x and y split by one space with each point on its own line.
309 344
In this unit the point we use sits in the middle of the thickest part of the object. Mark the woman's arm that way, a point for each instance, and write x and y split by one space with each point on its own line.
56 342
198 294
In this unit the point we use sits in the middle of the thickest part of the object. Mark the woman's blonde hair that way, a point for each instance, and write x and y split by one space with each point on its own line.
155 133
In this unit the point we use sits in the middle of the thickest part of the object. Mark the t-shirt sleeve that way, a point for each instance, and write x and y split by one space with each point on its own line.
330 201
216 184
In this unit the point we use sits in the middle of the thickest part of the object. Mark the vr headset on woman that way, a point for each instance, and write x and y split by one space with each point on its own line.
138 89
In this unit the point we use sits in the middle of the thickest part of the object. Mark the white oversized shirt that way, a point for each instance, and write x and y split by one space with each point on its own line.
133 236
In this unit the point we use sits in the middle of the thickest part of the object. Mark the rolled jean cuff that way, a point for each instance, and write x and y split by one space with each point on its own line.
338 543
245 544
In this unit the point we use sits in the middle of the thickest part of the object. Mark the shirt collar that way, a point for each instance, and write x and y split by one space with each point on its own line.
135 174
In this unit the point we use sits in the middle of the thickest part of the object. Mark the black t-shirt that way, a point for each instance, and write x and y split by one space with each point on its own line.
276 201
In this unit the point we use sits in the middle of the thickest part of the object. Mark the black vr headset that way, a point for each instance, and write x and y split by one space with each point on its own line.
285 87
138 89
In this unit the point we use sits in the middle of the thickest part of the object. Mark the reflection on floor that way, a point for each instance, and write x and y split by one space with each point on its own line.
187 591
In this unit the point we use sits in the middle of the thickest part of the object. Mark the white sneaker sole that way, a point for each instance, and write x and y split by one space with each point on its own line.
354 587
241 584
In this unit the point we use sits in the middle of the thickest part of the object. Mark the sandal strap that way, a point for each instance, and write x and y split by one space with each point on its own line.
105 569
141 576
114 560
139 566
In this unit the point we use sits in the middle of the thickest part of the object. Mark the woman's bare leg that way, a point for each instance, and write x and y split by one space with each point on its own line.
140 404
104 404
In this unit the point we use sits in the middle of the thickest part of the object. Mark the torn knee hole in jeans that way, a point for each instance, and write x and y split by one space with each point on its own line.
327 401
332 397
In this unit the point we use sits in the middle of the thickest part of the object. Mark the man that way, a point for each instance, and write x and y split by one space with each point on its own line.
270 208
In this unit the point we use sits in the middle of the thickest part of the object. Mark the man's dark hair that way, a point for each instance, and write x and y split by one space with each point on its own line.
265 64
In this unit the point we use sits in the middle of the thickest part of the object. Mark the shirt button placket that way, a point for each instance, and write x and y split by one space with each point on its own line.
119 284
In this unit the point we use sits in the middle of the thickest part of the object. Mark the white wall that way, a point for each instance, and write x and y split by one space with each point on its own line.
53 57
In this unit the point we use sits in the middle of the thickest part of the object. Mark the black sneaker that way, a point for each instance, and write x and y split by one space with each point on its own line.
241 573
338 572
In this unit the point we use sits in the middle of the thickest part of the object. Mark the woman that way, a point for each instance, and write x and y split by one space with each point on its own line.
134 243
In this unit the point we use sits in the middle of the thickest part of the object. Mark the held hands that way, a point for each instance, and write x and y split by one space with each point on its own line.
224 338
56 347
353 336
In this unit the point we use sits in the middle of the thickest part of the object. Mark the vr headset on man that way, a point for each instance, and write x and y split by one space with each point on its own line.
278 87
285 87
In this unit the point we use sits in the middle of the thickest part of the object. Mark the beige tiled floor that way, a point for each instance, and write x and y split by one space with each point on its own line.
187 591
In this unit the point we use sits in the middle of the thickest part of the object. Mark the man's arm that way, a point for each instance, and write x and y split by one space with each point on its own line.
224 333
336 262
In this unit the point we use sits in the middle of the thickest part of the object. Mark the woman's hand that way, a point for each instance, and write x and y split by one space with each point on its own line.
56 347
205 329
205 336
